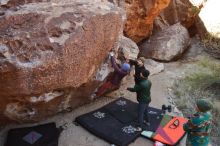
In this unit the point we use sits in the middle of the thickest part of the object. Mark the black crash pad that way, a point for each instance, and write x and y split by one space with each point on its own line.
126 111
41 135
116 121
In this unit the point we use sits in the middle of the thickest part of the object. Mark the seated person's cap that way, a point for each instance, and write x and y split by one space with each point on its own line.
204 105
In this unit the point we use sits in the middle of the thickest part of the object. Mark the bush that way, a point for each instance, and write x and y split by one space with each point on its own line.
212 44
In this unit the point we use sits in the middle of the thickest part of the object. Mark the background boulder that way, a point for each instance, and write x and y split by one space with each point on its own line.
167 44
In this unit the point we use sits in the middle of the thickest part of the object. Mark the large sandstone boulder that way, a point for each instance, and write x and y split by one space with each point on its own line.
140 17
50 54
167 44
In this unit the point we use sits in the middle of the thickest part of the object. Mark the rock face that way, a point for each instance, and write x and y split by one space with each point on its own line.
128 48
49 54
14 3
140 17
183 11
143 17
167 44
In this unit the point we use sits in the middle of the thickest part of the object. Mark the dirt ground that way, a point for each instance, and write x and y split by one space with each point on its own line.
77 136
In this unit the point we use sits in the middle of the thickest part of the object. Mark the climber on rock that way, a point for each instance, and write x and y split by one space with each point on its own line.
114 79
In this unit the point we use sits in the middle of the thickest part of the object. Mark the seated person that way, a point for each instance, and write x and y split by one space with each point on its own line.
198 127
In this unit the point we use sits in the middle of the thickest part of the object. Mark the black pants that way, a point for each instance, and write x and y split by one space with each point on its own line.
142 109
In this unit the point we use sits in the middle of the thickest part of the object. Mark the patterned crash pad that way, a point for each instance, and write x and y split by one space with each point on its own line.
116 122
41 135
169 131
